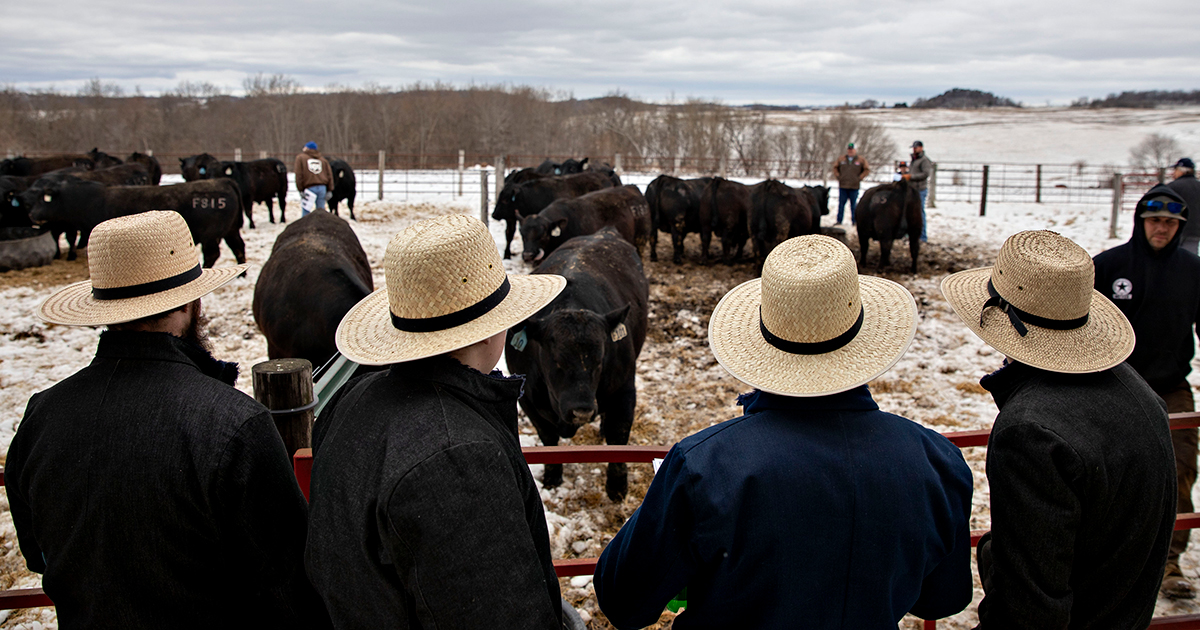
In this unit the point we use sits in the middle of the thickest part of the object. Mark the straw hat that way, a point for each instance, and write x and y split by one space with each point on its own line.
445 289
811 326
1046 312
140 265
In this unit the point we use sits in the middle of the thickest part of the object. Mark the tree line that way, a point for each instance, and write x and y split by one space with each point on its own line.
430 123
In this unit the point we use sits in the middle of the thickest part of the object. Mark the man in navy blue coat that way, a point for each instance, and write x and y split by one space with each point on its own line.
815 508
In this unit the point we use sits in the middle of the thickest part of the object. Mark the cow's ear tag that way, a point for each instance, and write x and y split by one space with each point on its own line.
519 341
229 170
620 332
556 232
202 170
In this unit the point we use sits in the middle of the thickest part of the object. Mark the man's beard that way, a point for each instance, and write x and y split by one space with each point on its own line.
197 331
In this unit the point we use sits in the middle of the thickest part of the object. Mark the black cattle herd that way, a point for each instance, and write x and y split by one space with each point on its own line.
576 219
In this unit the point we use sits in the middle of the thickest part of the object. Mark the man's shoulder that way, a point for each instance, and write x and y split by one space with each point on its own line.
1113 255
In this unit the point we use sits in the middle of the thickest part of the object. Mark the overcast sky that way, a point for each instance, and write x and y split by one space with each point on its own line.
739 52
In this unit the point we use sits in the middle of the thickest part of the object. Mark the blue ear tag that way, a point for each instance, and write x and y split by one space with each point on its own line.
202 170
16 204
519 341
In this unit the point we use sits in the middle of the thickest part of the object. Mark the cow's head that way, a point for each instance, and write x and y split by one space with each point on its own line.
52 200
541 234
14 211
569 347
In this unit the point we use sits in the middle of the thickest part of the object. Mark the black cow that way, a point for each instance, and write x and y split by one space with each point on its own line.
623 208
549 167
25 167
102 159
151 164
675 209
888 212
505 209
316 272
119 175
532 193
777 213
820 200
212 209
269 182
14 211
239 175
345 185
725 206
579 353
196 167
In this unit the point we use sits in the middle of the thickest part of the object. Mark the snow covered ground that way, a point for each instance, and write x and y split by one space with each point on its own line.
681 389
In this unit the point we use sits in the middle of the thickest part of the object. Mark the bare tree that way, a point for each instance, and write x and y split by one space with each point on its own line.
1155 151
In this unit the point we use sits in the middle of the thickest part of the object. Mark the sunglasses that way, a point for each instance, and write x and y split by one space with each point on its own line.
1174 207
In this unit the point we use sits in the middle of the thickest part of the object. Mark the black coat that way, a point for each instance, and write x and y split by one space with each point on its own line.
153 495
1082 479
1188 187
1159 292
424 513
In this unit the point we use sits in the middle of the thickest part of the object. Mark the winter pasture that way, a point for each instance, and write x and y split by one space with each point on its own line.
681 388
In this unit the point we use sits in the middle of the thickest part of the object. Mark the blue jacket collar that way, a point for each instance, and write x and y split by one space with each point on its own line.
857 399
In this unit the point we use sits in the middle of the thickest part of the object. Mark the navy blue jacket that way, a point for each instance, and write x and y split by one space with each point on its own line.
805 512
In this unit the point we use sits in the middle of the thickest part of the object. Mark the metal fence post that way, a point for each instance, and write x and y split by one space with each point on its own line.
932 195
237 155
461 164
1118 193
1038 198
617 162
382 162
983 195
499 175
483 196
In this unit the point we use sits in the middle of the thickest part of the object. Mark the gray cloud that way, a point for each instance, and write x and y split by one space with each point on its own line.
754 50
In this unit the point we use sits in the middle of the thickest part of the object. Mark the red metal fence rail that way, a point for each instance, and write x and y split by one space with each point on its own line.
302 462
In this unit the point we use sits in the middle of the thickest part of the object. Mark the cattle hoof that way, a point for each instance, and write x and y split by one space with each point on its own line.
616 488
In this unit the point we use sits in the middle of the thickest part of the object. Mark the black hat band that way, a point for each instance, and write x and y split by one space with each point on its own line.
1018 317
817 347
457 318
147 288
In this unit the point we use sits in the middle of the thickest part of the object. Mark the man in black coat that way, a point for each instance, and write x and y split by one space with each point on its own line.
1079 463
1187 186
147 490
424 513
1156 284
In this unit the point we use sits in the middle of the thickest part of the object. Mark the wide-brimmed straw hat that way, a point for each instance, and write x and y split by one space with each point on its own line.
446 289
140 265
811 326
1038 306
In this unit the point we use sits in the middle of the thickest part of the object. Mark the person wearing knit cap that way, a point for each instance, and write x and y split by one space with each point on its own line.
1080 468
1187 186
314 178
1156 284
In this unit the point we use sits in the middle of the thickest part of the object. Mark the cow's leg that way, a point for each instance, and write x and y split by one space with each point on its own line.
914 248
705 242
57 250
510 229
212 251
677 246
333 208
615 426
72 254
271 209
350 204
282 207
552 474
885 253
727 250
864 244
248 206
653 243
234 240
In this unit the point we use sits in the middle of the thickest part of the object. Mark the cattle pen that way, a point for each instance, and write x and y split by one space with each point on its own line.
302 463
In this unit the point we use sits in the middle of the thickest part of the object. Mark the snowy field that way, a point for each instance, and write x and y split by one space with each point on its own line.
681 388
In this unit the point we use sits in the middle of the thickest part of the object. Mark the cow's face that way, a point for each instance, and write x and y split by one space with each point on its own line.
569 347
539 234
46 202
13 209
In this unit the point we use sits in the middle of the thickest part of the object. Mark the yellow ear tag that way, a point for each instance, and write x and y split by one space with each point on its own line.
620 332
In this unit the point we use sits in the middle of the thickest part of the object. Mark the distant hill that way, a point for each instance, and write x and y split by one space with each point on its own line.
959 98
1145 100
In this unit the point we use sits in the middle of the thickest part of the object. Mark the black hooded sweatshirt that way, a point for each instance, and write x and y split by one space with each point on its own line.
1160 294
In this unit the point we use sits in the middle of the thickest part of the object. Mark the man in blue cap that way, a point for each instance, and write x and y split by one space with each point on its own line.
314 178
1187 186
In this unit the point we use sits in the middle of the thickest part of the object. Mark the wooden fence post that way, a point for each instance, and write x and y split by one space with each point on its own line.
237 155
1038 197
499 175
1162 174
1118 193
461 165
382 163
483 196
617 162
983 196
675 168
932 195
262 155
285 387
